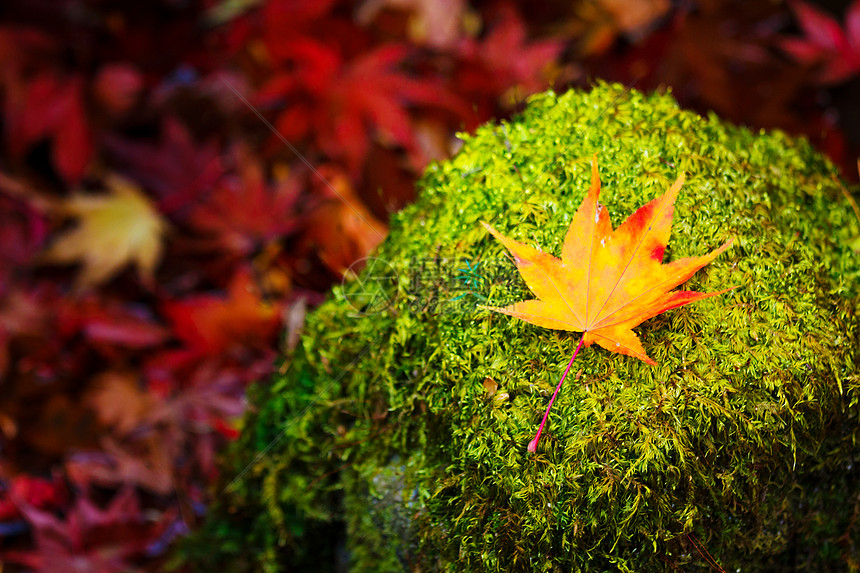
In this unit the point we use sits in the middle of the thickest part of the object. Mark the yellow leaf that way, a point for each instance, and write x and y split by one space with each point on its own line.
113 230
607 281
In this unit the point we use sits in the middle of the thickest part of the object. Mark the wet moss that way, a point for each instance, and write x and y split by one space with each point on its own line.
396 438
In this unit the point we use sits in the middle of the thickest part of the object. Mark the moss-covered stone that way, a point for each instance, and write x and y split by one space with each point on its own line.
396 439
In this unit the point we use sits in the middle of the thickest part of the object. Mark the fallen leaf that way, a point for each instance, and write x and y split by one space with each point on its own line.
505 61
38 492
178 170
90 538
245 211
341 229
109 322
434 23
114 229
51 107
214 325
825 43
598 23
717 57
345 104
606 282
117 88
142 462
118 401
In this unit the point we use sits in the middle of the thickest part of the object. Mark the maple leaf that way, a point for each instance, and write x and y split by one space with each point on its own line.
340 229
505 61
51 107
607 281
106 322
143 462
37 492
343 104
117 88
434 23
90 538
115 229
177 170
245 211
826 43
118 401
214 325
598 23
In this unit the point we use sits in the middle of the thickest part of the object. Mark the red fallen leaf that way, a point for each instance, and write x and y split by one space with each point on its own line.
191 411
50 107
348 103
837 51
110 322
505 60
174 428
212 325
278 24
37 492
117 87
177 170
23 226
229 431
88 538
293 14
244 211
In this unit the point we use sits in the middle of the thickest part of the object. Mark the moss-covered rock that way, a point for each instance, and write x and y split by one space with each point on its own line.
396 439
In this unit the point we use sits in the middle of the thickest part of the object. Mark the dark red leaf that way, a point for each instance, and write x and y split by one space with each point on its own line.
244 211
825 43
91 538
117 87
51 107
505 58
177 170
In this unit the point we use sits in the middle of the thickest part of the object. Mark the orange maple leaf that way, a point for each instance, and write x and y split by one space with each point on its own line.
607 281
212 325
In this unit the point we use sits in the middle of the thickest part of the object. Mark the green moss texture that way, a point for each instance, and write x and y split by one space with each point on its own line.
395 439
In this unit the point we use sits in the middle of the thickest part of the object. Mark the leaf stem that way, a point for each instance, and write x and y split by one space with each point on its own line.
533 444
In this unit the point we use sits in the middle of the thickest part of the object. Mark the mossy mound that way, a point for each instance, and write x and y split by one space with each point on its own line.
396 439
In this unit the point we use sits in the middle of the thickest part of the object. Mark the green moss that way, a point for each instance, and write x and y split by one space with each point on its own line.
383 447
